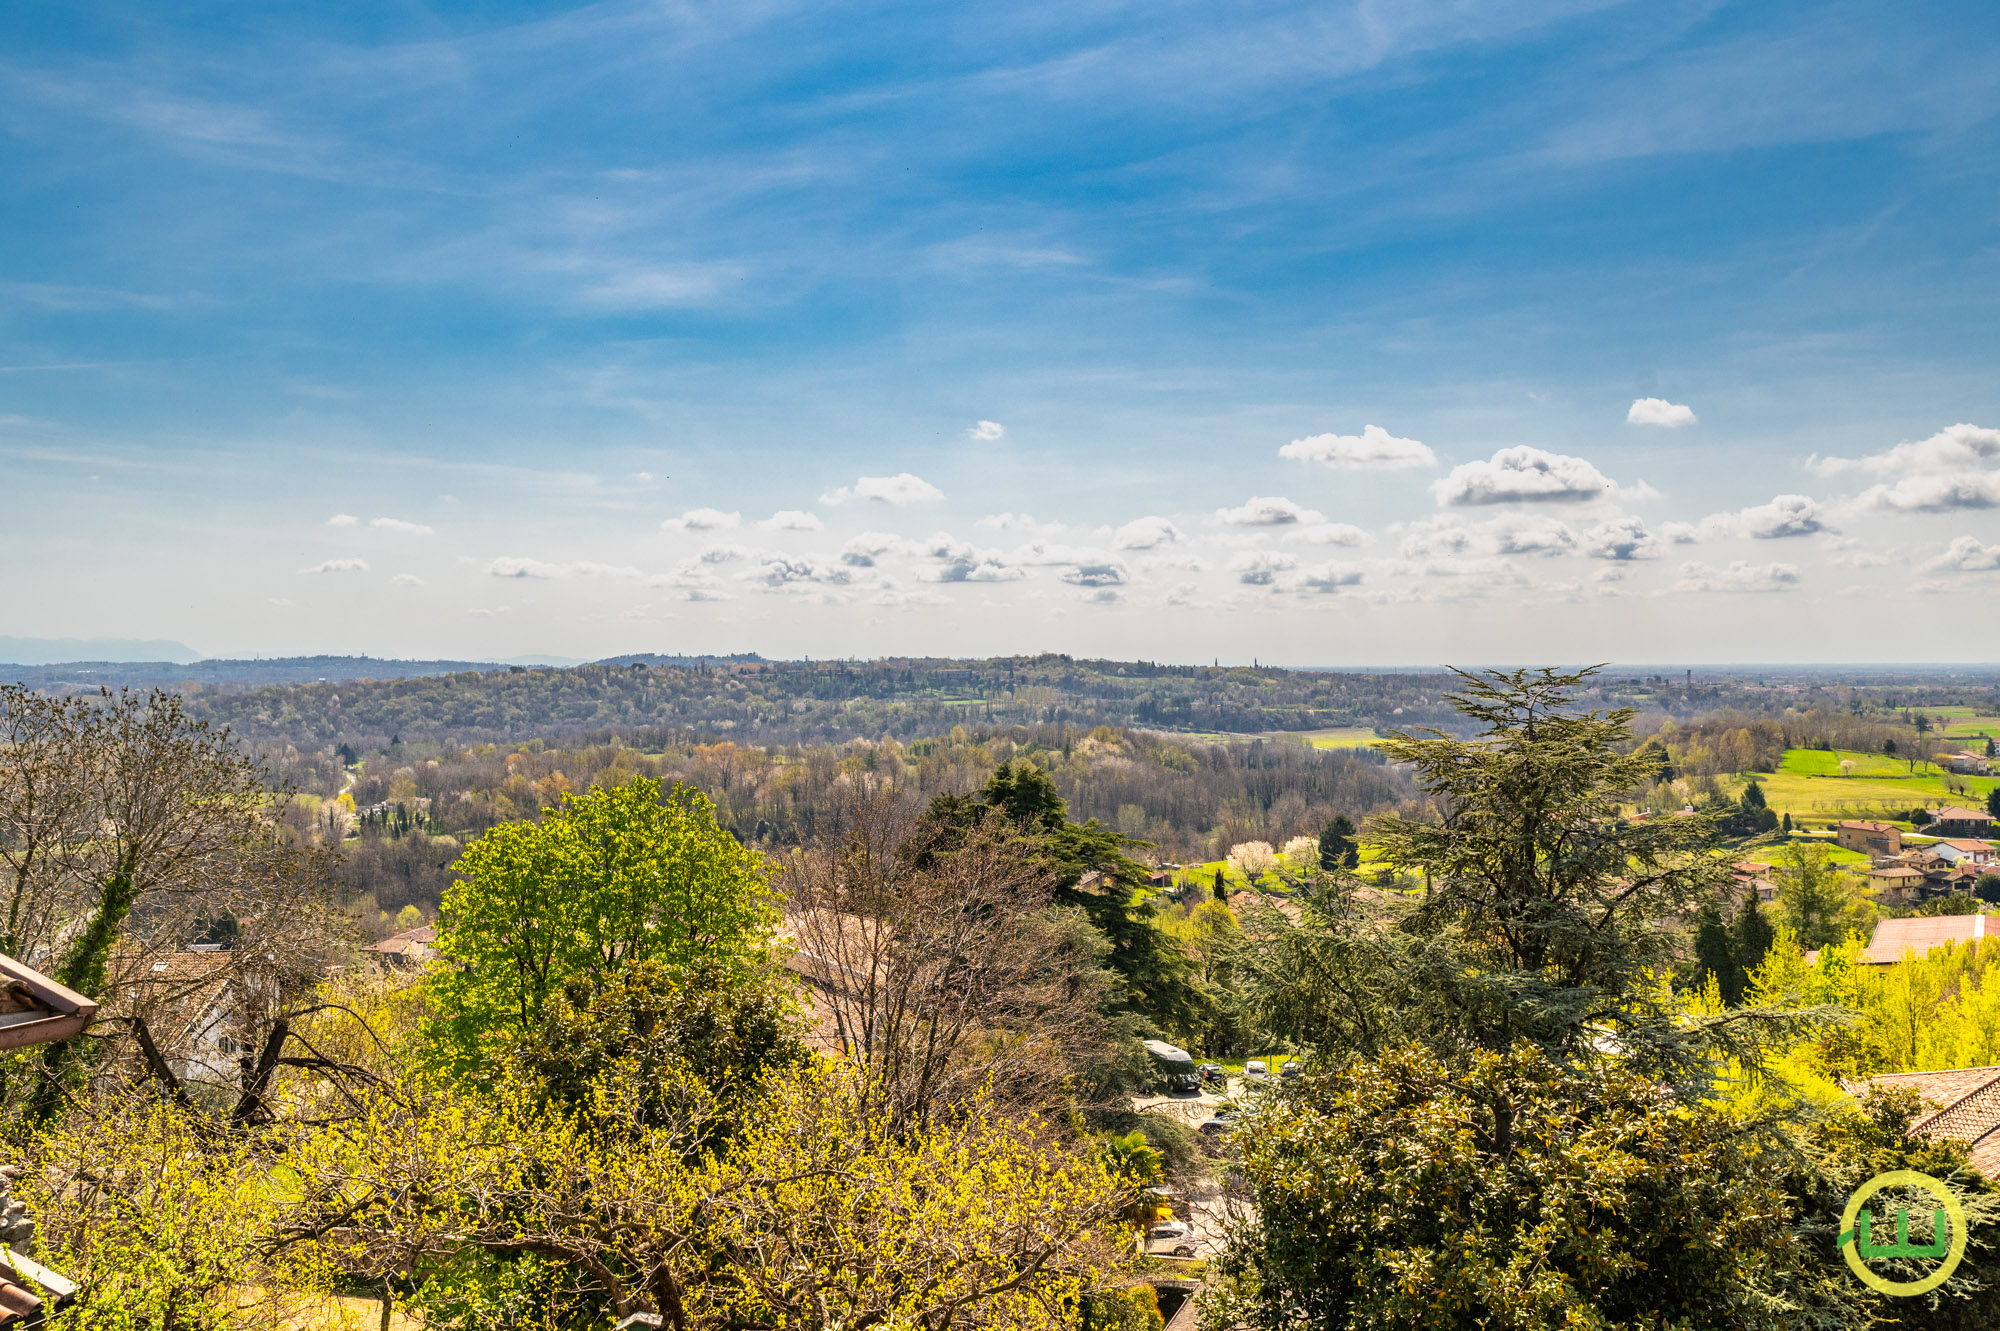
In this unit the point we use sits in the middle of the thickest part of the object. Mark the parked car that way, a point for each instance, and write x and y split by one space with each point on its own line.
1255 1070
1288 1071
1173 1237
1218 1125
1213 1074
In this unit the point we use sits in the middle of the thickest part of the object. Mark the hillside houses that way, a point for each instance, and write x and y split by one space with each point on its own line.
1954 821
1868 838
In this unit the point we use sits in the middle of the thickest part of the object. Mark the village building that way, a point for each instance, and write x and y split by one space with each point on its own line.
1954 821
1960 1104
1918 934
1869 838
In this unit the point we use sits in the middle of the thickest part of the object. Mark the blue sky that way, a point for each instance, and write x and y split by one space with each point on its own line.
424 330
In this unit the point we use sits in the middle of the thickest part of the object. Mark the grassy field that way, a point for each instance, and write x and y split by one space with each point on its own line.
1349 737
1810 784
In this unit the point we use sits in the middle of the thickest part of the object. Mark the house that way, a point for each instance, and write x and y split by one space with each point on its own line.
1868 838
412 947
1953 821
1921 933
195 1004
1895 885
1754 875
1967 764
1967 854
33 1010
1960 1104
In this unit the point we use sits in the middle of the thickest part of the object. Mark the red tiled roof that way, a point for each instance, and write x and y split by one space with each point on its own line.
1965 1105
1864 826
1921 933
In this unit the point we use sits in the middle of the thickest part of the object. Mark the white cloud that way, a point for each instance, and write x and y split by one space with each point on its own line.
902 488
702 519
705 594
1324 578
1095 575
792 519
1374 449
1965 555
1659 411
282 602
494 610
343 520
1680 533
338 566
1620 538
1267 511
780 570
988 430
642 476
398 525
406 580
1009 522
1331 533
865 549
1511 534
1148 533
1740 576
958 561
516 566
1785 515
1934 493
1522 475
1260 568
1954 448
724 554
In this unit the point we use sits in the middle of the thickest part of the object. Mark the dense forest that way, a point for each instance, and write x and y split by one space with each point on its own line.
1185 800
652 701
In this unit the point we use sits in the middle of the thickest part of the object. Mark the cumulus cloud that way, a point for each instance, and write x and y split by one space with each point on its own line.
1659 411
1524 534
406 580
1965 555
1954 448
1260 568
902 488
1522 475
988 430
398 525
1740 576
343 520
703 519
1374 449
1785 515
338 566
1679 533
1331 533
1267 511
1146 534
869 546
1620 538
792 519
954 560
724 553
491 610
781 570
1324 578
1945 472
1934 493
1094 575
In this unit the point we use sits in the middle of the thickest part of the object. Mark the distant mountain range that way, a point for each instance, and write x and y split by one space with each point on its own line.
49 651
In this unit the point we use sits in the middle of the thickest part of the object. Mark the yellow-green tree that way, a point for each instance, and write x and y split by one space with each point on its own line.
608 878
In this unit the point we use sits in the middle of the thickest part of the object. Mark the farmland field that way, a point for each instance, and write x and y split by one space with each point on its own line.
1809 784
1349 737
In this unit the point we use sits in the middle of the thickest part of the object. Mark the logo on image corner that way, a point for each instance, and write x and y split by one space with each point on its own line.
1859 1228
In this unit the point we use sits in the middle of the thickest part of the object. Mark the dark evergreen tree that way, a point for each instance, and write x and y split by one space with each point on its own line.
1337 849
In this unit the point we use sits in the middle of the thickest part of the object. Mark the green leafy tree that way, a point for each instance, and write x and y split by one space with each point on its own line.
1514 1192
1816 900
1993 795
607 880
1093 873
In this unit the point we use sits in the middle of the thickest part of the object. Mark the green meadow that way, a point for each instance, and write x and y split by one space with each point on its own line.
1811 783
